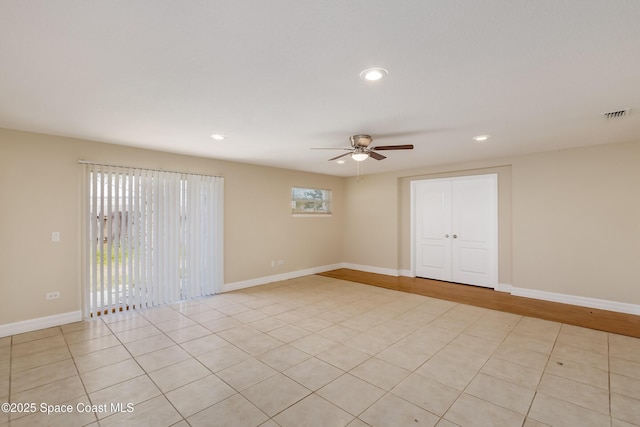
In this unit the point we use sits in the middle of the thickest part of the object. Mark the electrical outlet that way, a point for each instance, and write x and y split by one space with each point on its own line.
53 295
280 261
55 236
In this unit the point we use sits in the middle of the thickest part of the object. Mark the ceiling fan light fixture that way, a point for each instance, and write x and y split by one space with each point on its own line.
359 156
217 136
373 74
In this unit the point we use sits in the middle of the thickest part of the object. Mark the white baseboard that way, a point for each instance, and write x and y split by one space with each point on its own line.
40 323
503 287
234 286
370 269
620 307
406 273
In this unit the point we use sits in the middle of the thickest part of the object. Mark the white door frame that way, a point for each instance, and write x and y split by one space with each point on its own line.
412 240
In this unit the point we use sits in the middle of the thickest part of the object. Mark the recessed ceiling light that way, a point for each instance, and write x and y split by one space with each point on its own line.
481 138
373 74
217 137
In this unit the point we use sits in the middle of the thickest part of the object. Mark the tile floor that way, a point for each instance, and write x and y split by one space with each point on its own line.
316 351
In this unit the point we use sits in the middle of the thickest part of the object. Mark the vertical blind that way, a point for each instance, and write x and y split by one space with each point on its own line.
151 237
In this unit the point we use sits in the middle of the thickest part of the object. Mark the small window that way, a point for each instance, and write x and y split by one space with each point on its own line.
310 201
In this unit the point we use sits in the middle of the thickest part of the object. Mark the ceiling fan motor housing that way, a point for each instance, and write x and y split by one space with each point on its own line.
360 140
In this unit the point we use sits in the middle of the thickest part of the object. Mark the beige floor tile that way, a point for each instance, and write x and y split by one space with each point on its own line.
446 423
39 345
275 394
267 324
288 333
173 324
343 357
199 395
577 372
130 392
52 393
313 324
623 347
358 423
625 408
101 358
447 372
391 411
283 357
380 373
589 338
627 386
510 396
426 393
313 373
624 367
351 393
249 316
231 412
548 410
128 324
205 316
95 344
221 324
174 376
584 357
580 394
162 358
313 344
313 411
522 356
471 411
97 330
36 335
246 373
512 372
367 344
41 358
149 345
156 412
544 329
106 376
35 377
620 423
204 344
75 418
189 333
404 356
223 358
522 341
338 333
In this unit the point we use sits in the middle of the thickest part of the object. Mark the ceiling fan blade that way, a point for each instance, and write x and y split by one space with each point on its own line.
393 147
341 155
376 156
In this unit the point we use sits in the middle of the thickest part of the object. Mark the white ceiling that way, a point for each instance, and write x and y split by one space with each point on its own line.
278 77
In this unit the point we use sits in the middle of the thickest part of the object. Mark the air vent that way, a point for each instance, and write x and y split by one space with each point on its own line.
616 114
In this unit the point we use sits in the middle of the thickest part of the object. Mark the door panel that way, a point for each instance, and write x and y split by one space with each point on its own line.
463 207
474 224
433 220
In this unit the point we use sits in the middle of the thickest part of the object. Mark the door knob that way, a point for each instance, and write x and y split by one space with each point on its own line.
455 236
446 236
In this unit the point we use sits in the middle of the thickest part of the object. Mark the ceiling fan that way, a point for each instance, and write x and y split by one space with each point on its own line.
360 149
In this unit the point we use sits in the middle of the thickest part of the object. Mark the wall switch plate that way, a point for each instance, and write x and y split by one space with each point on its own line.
55 236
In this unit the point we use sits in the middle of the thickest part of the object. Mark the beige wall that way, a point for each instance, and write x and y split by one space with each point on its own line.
569 221
40 181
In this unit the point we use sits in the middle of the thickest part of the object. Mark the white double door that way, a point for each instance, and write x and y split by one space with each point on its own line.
455 224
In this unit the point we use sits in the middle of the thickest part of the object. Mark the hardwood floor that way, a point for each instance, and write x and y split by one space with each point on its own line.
603 320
